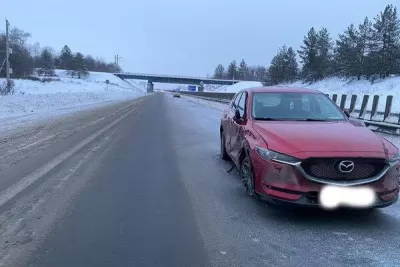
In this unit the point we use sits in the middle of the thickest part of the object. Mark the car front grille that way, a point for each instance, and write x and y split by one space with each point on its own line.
328 168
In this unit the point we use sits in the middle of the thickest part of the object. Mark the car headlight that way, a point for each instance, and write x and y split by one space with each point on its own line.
276 156
395 158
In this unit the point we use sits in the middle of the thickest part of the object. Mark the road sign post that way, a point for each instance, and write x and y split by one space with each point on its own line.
201 87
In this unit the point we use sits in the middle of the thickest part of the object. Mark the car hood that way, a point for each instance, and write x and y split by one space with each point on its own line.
294 137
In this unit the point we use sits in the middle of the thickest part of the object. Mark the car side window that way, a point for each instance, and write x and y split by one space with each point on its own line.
232 104
306 104
242 104
236 102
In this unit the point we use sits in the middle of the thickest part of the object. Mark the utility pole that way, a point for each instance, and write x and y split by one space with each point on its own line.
7 53
117 58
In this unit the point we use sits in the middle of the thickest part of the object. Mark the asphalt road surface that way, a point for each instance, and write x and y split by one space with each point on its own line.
140 183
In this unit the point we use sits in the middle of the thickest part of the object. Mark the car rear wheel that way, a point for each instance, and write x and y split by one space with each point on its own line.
223 154
247 176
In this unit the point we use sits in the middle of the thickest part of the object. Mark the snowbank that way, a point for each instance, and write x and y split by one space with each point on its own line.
239 86
36 99
383 88
389 86
215 88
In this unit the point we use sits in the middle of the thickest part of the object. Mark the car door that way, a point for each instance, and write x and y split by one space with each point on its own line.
227 119
237 129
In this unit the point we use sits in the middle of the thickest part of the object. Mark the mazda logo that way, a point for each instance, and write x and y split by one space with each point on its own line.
346 166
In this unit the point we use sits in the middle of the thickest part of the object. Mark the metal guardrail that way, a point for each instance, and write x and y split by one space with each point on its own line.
384 121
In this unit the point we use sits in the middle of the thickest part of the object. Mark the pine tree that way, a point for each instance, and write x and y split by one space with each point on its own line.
368 47
219 72
276 70
387 36
308 54
347 53
66 59
79 67
243 71
316 55
232 70
47 62
260 73
251 73
325 56
291 65
283 67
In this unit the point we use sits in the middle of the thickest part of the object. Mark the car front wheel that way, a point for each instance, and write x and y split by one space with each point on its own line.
247 176
223 154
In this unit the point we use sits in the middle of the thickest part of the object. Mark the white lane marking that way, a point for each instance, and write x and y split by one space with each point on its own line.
94 122
16 188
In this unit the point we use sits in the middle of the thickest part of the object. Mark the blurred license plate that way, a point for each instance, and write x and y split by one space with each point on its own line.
335 196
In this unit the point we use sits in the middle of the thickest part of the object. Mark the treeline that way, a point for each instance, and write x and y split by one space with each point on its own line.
240 72
370 50
27 59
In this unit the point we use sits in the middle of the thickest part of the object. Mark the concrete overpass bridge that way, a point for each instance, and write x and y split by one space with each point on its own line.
155 78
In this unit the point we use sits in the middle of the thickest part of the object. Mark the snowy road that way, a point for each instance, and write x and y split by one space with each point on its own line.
140 184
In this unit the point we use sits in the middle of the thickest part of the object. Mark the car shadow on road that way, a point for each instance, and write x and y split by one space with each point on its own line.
315 217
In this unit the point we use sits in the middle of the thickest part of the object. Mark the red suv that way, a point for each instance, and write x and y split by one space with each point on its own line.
296 145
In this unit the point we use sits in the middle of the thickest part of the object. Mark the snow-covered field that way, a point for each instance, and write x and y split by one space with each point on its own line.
34 100
383 88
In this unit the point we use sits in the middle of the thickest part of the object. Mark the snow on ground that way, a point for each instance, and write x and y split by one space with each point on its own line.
383 88
214 88
35 100
238 86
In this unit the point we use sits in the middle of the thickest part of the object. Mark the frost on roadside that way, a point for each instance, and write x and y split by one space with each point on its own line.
30 100
7 87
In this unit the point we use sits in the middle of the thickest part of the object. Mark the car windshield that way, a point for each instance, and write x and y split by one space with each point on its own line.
297 106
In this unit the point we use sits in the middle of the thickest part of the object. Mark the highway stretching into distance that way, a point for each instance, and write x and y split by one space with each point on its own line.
140 183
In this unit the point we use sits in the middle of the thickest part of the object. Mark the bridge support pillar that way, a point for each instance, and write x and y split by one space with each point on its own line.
150 87
200 88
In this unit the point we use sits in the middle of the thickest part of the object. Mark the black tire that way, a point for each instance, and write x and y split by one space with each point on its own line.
223 154
247 176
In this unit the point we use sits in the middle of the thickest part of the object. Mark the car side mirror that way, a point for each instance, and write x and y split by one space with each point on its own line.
357 122
237 116
347 112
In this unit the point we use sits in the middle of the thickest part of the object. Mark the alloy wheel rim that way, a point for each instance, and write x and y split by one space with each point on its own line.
247 176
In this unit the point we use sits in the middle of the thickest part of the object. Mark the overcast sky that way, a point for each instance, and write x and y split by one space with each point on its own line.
182 37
